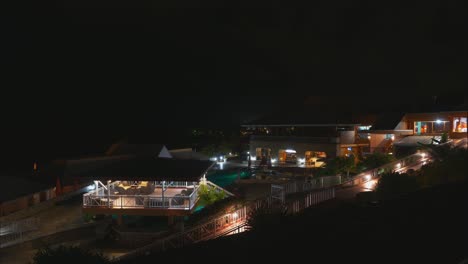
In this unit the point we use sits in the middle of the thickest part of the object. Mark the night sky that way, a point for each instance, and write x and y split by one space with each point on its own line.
238 48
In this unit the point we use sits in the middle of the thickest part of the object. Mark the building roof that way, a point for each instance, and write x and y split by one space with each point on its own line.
123 148
139 168
387 121
311 117
14 186
187 153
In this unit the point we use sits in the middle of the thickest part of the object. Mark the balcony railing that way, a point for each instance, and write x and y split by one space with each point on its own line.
100 198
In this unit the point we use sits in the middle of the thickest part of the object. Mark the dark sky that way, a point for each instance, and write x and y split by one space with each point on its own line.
237 48
286 44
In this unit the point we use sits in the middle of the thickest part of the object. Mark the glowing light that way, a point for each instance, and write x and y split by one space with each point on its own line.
438 121
290 151
423 155
248 152
367 177
253 158
235 215
390 153
368 137
398 165
370 185
273 160
301 160
91 187
349 148
393 137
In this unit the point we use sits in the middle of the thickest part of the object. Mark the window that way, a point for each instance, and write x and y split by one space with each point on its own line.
459 124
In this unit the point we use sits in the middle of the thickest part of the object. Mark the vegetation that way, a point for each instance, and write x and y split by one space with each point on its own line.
214 209
394 184
374 160
209 195
69 255
448 166
339 165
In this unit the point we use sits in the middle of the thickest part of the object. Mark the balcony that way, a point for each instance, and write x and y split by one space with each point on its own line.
173 196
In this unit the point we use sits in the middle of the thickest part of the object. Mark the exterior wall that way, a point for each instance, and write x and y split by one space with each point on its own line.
443 116
402 125
377 142
301 146
347 137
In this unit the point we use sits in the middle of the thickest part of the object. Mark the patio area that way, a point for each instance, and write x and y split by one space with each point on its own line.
142 195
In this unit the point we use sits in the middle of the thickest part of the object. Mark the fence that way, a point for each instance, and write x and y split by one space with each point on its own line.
13 232
233 222
390 167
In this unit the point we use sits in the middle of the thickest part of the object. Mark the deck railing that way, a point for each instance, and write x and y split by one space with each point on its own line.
100 198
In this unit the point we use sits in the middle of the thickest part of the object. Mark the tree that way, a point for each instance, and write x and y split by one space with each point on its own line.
69 255
342 165
374 160
394 184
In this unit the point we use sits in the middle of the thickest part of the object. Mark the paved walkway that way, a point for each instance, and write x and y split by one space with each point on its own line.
52 220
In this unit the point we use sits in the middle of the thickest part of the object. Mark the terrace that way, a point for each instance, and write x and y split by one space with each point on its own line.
143 195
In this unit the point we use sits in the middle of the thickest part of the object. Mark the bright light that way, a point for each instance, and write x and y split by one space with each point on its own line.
349 148
367 177
398 165
253 158
393 137
235 215
91 187
248 152
390 153
370 185
214 159
290 151
438 121
423 155
273 160
301 160
368 137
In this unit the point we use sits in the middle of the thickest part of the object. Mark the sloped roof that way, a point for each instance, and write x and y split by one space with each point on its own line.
137 149
140 168
187 154
387 121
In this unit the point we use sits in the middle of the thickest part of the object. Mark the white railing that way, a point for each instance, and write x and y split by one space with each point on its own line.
99 199
176 184
389 167
13 232
230 223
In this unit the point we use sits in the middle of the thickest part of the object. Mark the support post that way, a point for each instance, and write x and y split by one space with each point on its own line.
108 194
119 220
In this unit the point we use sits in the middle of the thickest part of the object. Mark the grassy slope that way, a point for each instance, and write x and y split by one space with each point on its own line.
429 226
